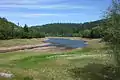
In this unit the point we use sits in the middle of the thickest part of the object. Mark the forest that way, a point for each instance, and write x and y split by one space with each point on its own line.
9 30
87 29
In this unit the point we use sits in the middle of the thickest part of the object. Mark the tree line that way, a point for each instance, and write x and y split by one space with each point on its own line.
87 29
9 30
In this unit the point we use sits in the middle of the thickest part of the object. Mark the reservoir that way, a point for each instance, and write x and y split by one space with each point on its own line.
66 42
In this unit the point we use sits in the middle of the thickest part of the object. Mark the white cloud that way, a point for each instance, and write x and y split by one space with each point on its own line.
47 6
31 15
34 15
27 2
39 15
41 4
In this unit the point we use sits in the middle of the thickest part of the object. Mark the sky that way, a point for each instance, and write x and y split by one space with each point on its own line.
39 12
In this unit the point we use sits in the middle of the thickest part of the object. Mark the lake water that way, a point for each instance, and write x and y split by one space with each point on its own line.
67 42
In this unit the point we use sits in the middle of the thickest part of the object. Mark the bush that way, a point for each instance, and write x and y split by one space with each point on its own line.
96 72
28 78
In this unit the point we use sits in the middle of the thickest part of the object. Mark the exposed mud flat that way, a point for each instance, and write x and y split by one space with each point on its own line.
45 47
50 49
17 48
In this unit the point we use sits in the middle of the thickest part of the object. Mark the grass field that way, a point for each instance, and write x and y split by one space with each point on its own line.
19 42
27 65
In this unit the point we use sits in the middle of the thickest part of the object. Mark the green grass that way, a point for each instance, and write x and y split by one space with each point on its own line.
18 42
52 66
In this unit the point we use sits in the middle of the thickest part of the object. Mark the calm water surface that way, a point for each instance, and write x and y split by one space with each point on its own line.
67 42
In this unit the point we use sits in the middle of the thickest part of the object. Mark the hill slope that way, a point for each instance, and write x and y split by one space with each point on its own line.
66 28
7 28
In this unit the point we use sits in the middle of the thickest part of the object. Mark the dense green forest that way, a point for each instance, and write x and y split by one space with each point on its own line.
9 30
87 29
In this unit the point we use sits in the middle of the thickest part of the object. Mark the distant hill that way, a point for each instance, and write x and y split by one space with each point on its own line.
5 23
7 28
66 28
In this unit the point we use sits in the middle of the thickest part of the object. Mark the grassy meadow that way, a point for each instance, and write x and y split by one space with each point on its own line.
19 42
30 65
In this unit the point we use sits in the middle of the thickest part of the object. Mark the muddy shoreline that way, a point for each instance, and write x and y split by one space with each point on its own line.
43 46
17 48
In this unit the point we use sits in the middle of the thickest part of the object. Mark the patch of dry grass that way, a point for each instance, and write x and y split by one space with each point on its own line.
19 42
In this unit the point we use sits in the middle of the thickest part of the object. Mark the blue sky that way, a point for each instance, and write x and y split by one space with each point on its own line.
38 12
